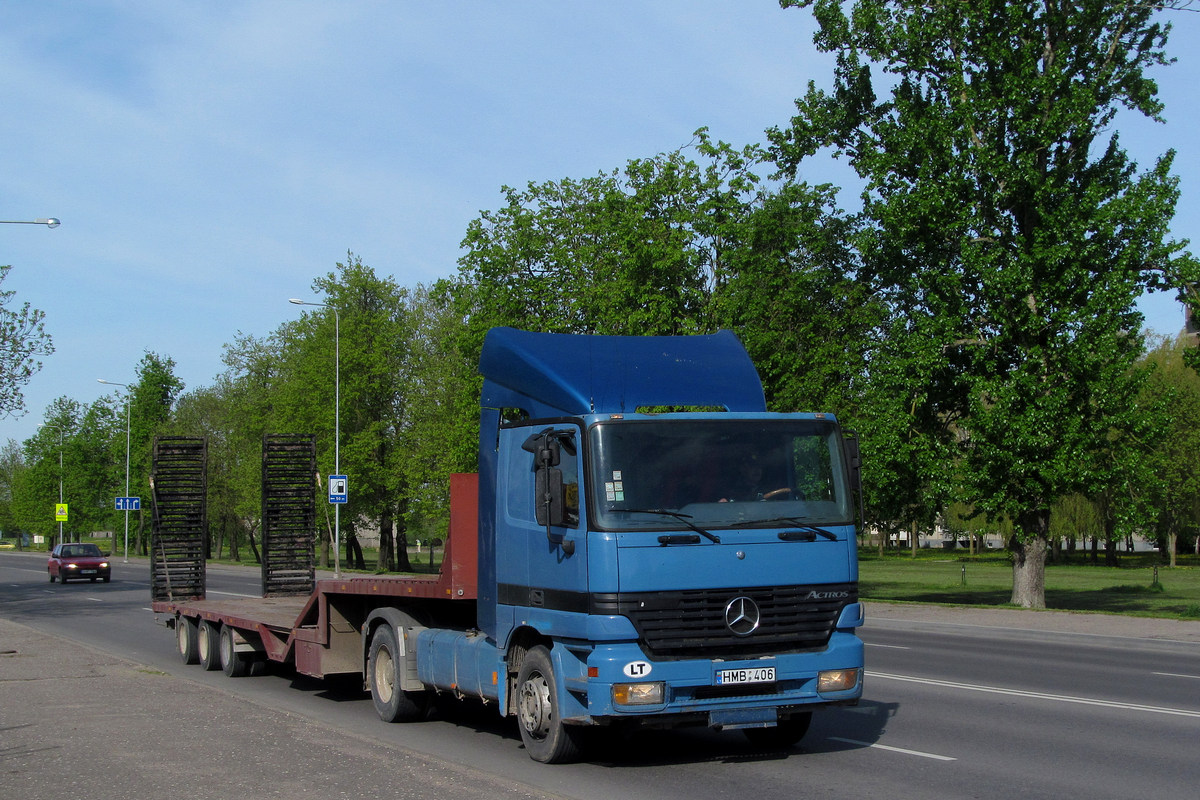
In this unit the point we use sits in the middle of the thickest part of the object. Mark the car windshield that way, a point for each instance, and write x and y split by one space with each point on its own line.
80 550
657 474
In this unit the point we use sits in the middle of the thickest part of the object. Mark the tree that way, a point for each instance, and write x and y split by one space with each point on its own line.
146 410
1175 487
1010 235
23 340
635 251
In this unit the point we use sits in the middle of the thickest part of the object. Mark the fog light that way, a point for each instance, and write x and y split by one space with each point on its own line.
637 694
837 680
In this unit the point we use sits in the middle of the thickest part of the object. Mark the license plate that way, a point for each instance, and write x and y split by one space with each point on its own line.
87 572
745 675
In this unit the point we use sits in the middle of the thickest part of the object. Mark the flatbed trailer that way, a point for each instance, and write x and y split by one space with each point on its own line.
327 632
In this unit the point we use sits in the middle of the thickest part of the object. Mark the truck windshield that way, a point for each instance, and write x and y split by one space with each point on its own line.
720 473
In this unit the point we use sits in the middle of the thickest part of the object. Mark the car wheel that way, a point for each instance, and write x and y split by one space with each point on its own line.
545 736
208 641
51 577
106 578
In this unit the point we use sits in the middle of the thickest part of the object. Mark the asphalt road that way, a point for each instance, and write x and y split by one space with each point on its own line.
958 703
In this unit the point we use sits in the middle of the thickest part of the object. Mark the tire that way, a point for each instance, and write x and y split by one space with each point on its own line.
784 735
106 579
233 663
208 643
187 638
545 736
392 703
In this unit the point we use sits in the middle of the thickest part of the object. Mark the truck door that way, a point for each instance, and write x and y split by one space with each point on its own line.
541 544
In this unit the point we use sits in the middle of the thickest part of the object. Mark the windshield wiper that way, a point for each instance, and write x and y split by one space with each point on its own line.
686 519
804 526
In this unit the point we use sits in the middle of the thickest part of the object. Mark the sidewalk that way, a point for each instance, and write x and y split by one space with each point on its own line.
1056 621
75 722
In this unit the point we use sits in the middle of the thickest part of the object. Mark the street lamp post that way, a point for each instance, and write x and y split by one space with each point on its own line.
60 472
337 425
126 386
49 222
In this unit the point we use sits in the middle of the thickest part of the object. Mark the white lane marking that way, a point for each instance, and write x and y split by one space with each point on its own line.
233 594
934 756
1061 698
1176 675
95 600
887 646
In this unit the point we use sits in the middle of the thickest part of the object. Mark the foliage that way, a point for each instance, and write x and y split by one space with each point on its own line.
1010 234
23 340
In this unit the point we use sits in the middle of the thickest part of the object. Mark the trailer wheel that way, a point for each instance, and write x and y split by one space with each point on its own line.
392 703
233 663
187 634
207 639
785 734
545 736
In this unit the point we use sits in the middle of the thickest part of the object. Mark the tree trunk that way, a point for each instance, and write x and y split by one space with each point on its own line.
402 561
354 553
912 539
387 553
1029 560
1172 544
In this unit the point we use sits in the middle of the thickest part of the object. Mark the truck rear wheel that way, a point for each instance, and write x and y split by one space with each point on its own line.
545 736
233 663
392 703
208 642
187 634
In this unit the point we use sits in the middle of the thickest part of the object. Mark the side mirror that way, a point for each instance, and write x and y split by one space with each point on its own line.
854 462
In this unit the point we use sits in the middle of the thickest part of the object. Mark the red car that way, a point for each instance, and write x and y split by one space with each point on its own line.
78 561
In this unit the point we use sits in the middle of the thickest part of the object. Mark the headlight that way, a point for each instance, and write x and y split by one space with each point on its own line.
103 565
72 566
838 680
637 694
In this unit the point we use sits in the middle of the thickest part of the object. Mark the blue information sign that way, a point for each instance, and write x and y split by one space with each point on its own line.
129 504
337 489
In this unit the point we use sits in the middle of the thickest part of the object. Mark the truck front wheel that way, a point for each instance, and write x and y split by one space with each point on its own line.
392 703
545 736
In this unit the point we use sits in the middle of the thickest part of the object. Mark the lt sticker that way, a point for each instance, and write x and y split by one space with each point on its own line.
637 669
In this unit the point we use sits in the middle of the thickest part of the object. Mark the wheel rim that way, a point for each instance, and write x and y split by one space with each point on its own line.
534 706
385 675
181 635
205 644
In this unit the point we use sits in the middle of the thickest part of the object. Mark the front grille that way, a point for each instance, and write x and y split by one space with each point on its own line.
691 623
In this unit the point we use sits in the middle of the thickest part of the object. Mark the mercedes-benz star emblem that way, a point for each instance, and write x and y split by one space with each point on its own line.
742 616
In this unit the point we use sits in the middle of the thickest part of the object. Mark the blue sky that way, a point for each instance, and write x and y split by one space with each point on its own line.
209 159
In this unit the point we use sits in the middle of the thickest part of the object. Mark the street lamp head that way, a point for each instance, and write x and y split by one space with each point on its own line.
111 383
49 223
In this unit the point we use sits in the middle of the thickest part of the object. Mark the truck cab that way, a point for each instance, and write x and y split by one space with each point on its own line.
655 548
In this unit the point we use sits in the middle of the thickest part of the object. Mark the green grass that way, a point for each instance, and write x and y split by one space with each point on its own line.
986 580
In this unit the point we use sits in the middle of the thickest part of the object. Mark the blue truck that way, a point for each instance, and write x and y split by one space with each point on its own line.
643 545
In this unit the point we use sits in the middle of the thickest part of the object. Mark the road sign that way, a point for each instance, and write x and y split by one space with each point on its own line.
60 512
129 504
337 489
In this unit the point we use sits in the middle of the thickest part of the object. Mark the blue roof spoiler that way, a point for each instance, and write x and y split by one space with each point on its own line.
554 374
